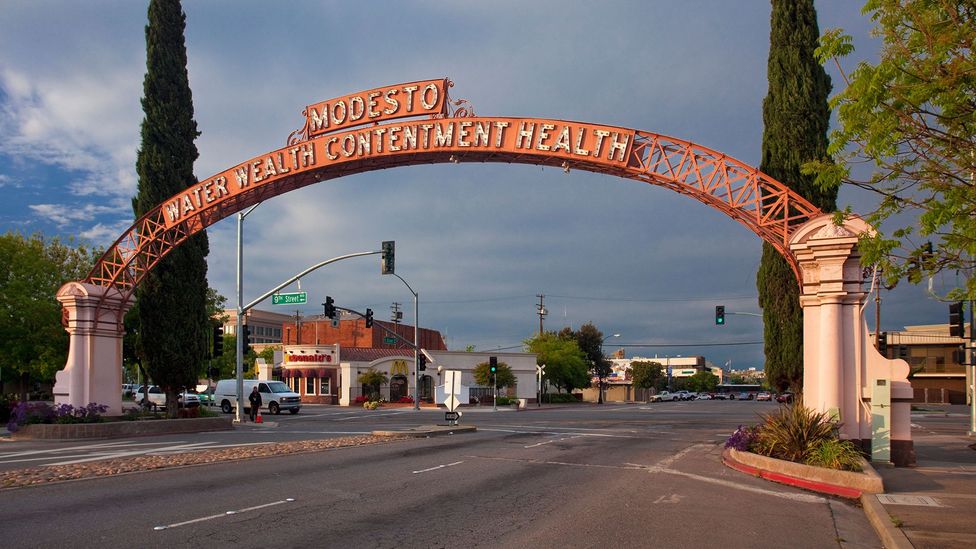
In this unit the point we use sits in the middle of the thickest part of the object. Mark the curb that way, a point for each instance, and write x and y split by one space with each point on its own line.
891 536
845 484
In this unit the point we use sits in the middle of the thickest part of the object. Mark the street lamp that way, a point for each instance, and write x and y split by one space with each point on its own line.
600 377
388 268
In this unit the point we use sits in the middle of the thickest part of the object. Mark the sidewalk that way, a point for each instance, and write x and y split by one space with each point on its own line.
932 505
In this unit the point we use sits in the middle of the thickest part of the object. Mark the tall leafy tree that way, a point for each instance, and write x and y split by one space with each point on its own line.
645 375
912 117
172 300
504 377
795 119
566 366
33 344
590 340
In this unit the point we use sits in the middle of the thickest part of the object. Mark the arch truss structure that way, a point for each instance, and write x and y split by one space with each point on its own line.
418 123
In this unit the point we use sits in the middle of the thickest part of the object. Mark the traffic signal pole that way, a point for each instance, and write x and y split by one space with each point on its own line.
242 309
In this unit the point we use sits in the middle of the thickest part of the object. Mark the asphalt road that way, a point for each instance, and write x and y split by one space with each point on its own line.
579 476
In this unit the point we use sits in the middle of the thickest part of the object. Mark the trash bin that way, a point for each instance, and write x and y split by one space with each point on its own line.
522 403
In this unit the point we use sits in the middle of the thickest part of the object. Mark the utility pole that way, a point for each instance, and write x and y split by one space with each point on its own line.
542 312
298 327
396 315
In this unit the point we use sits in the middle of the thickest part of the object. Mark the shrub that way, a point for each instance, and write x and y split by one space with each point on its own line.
835 454
371 404
556 398
792 431
406 400
361 399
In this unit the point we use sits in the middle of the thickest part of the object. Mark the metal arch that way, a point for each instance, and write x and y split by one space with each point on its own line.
767 207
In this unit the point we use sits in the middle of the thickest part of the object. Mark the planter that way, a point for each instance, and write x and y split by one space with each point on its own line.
121 429
847 484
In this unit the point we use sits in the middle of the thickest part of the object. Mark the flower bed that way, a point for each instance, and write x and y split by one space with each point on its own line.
120 429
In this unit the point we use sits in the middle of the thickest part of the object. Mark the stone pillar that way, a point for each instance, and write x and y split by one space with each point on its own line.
93 372
839 363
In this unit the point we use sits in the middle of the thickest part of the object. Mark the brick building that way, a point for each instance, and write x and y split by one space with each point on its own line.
352 332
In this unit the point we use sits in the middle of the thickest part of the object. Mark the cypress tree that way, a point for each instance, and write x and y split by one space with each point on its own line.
172 299
796 118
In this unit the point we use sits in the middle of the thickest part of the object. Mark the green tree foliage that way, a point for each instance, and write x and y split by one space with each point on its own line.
173 320
795 123
227 363
33 343
590 341
566 366
702 382
504 375
912 116
373 379
645 375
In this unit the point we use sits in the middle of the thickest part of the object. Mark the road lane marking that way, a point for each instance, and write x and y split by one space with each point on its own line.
523 432
224 514
367 416
668 461
799 497
427 470
551 441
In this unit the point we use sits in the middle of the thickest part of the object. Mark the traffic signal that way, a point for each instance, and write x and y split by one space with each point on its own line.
421 362
956 319
369 318
387 258
883 343
720 315
218 341
329 305
493 364
247 336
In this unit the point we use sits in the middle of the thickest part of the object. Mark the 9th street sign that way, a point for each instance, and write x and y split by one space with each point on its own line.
296 298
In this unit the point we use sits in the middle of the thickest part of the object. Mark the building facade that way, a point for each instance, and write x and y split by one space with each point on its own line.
330 374
936 375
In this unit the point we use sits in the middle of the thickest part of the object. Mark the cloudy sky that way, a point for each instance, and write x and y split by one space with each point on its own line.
477 241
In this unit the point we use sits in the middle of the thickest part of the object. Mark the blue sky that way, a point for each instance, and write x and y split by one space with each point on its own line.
477 241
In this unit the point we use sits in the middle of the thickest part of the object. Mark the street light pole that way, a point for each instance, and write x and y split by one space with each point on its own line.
416 343
239 413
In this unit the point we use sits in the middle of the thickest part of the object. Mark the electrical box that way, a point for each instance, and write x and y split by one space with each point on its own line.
881 421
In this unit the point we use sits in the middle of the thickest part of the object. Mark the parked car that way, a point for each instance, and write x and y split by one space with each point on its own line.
745 396
703 396
785 398
158 398
763 395
720 396
664 396
684 395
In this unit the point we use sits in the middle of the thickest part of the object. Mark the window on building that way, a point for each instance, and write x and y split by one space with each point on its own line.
309 385
324 386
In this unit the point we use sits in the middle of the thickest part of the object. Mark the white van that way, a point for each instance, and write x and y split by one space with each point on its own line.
275 395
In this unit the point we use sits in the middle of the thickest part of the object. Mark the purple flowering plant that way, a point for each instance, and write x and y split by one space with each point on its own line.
26 413
742 438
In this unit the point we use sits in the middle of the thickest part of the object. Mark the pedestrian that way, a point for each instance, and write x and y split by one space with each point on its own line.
255 399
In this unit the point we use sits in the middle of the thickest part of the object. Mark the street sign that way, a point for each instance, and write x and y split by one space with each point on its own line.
452 386
389 340
452 416
294 298
451 401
